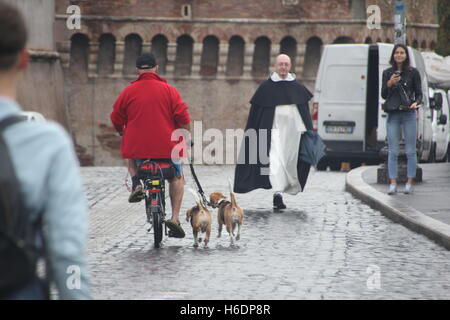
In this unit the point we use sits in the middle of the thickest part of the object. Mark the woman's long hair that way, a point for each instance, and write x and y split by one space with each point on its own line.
406 63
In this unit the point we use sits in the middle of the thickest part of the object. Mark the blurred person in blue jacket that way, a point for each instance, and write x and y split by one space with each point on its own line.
47 170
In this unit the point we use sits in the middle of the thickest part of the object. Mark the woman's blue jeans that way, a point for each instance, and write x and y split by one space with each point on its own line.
395 122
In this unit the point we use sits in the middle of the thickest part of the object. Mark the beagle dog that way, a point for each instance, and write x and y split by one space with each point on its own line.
229 213
200 219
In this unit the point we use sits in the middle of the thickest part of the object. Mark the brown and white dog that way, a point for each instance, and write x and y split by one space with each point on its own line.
200 219
229 213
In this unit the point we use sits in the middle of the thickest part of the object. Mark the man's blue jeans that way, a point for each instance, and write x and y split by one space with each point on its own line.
395 122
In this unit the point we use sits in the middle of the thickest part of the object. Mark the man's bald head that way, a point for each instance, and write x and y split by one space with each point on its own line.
282 65
282 57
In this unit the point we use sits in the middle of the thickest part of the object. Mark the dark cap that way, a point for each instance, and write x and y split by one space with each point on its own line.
146 61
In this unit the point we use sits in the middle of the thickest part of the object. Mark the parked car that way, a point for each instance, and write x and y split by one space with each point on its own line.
440 124
33 116
347 105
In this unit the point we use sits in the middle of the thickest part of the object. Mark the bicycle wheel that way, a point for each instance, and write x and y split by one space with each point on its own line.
157 227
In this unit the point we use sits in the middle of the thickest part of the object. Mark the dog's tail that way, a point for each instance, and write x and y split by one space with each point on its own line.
232 197
198 201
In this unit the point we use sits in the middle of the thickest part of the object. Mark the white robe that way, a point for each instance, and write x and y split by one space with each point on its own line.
287 129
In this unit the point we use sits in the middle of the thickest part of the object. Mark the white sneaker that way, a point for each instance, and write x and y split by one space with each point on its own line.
408 188
392 189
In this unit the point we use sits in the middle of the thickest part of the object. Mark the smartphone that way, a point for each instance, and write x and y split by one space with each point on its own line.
398 73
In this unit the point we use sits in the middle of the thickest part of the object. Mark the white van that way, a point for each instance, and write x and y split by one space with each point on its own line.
347 103
440 124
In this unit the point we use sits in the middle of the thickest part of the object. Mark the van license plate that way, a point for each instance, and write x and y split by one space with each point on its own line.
339 129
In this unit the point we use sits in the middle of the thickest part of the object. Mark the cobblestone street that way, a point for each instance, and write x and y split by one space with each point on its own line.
324 246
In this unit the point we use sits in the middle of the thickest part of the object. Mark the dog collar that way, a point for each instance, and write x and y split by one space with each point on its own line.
221 201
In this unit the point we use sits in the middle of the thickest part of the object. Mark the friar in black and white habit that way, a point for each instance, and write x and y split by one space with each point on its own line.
269 155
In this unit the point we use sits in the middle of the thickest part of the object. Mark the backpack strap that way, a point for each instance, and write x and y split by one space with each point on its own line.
10 202
9 121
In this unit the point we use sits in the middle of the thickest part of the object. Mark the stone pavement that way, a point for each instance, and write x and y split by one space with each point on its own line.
426 211
326 245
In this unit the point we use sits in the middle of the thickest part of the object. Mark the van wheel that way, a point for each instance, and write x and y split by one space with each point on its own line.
432 156
322 165
335 165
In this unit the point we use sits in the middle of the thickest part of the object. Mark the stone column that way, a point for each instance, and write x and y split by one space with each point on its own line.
120 52
171 57
274 52
222 63
146 47
196 58
92 58
248 60
300 59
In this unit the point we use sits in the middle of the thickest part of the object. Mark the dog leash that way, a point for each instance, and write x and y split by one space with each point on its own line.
200 189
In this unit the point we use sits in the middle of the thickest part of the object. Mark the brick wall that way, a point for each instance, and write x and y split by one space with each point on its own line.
418 10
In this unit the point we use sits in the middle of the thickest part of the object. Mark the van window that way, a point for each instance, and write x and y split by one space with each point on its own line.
344 83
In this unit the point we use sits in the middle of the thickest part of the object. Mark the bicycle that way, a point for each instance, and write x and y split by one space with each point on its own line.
153 173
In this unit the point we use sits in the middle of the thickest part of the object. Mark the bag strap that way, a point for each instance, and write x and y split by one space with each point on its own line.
13 223
9 121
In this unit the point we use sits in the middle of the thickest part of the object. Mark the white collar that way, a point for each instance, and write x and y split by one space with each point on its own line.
276 77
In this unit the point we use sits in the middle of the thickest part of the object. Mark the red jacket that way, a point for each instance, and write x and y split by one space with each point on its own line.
148 111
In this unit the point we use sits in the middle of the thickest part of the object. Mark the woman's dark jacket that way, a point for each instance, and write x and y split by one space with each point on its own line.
413 85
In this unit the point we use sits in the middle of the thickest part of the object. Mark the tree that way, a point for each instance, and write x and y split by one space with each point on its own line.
443 39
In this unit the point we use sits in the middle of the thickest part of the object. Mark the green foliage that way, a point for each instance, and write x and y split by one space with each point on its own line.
443 40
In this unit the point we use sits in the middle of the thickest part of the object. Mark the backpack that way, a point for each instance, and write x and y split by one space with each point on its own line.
18 255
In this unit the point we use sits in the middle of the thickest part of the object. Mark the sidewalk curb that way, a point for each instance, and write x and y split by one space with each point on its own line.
395 209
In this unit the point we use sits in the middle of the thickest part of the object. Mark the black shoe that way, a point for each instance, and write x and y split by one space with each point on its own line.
136 195
278 201
175 229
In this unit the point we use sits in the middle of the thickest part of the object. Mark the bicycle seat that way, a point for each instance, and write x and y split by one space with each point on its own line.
163 169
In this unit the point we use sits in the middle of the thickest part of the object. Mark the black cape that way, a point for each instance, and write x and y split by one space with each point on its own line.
269 94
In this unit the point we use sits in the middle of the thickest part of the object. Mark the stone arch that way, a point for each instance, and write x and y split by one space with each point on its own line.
415 44
261 57
344 39
183 60
423 45
313 53
133 49
79 56
235 58
368 40
288 45
379 40
159 50
388 40
432 45
210 56
106 54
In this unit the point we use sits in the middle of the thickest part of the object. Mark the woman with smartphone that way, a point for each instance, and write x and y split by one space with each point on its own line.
401 79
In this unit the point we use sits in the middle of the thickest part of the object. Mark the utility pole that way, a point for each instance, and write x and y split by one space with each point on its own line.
400 22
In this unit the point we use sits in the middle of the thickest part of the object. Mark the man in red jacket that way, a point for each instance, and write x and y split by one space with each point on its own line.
146 113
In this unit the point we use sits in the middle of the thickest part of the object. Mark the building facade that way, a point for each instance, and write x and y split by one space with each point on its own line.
214 52
41 87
